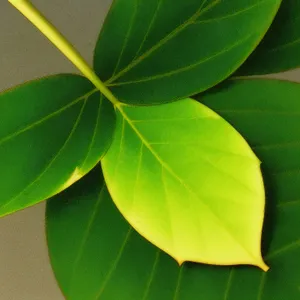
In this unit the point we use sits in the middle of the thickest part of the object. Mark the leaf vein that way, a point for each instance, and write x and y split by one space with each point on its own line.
261 286
236 13
172 119
51 161
138 174
278 145
5 139
183 69
168 206
152 274
200 143
85 236
120 148
127 37
170 170
94 132
149 28
282 204
163 41
178 284
114 264
292 246
229 284
285 46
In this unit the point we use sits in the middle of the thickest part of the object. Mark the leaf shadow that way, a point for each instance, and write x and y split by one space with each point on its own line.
219 88
270 212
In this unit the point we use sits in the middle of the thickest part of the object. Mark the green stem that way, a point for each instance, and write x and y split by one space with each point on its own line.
39 20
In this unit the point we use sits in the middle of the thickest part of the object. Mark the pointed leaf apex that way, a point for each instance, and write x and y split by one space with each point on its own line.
180 261
262 265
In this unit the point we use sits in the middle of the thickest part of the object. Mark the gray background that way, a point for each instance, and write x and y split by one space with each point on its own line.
25 272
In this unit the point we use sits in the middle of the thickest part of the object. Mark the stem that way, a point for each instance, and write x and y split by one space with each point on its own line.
39 20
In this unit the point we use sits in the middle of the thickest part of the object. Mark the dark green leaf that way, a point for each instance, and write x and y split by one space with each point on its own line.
162 170
280 49
162 50
53 131
96 256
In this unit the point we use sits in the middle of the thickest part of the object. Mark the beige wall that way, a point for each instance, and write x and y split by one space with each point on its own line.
25 273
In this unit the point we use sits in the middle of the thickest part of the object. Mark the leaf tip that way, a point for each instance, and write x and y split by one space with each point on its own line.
180 261
262 265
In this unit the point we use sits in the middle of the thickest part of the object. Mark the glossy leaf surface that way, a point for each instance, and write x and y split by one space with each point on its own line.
96 256
162 50
162 171
279 50
53 131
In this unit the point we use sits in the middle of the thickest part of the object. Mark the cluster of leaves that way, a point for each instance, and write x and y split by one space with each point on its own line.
182 176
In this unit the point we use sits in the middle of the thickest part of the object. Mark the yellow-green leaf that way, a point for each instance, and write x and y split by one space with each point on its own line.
188 182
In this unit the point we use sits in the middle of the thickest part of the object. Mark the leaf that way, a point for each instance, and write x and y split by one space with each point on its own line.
156 51
179 172
88 240
279 50
96 256
53 131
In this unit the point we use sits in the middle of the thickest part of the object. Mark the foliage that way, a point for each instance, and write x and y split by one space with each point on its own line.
162 146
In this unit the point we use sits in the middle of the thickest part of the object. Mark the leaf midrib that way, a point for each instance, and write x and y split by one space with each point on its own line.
169 169
114 265
164 40
175 32
182 69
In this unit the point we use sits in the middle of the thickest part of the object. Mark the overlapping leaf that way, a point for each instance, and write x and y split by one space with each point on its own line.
279 50
97 256
53 131
162 50
162 170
